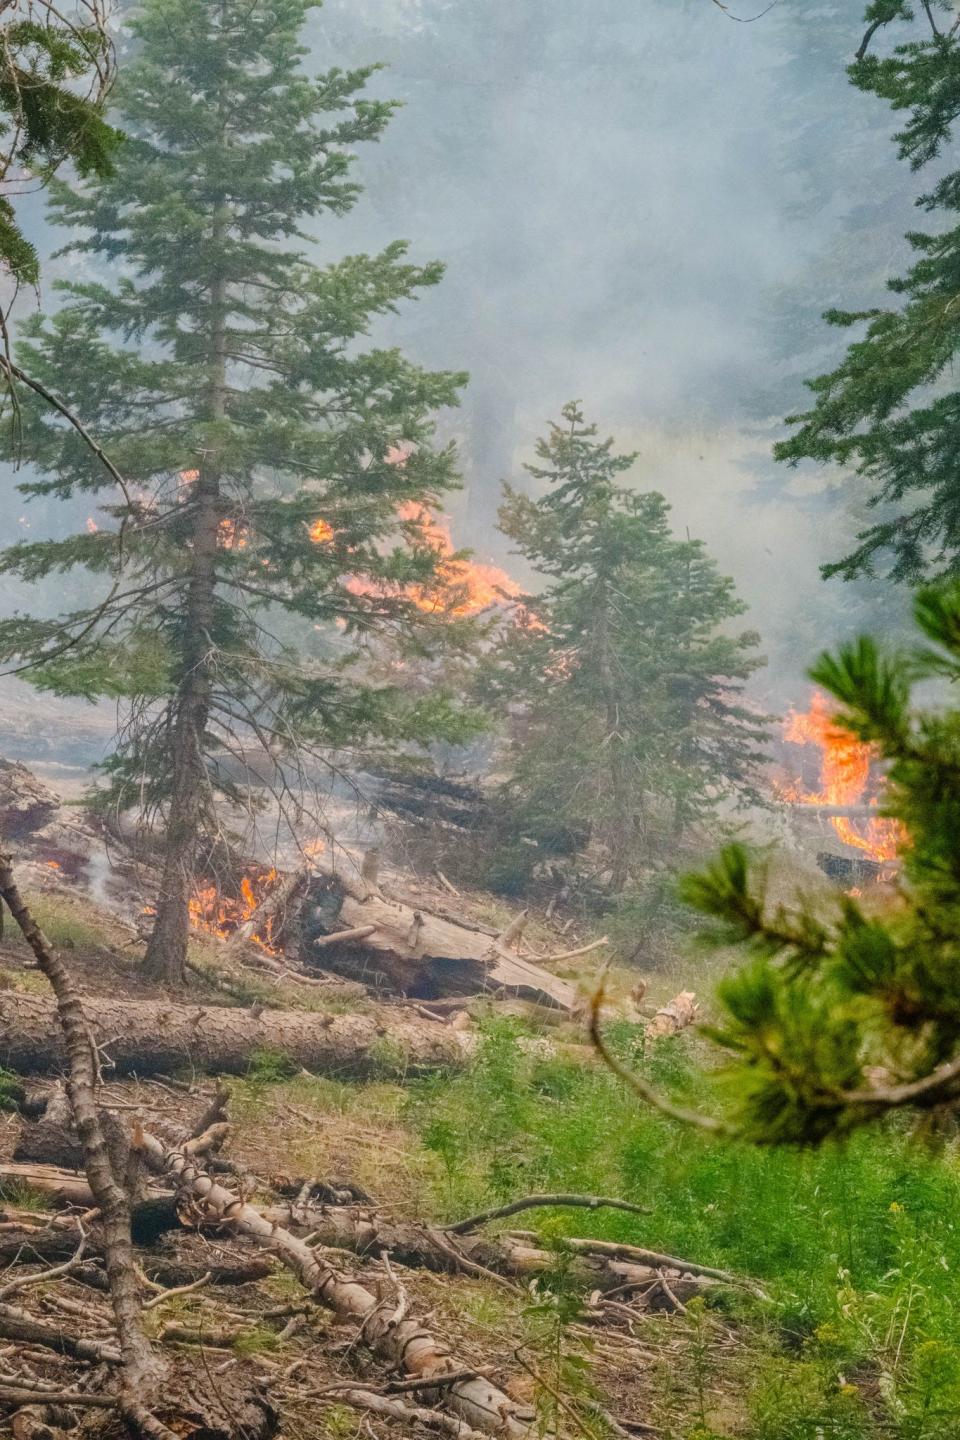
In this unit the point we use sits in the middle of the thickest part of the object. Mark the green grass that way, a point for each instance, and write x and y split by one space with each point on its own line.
859 1246
67 920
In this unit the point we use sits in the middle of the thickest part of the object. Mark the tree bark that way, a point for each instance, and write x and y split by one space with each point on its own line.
146 1036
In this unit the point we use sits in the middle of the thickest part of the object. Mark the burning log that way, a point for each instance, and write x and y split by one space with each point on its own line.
850 870
147 1036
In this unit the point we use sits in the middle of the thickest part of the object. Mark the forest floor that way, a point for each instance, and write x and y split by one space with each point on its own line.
856 1247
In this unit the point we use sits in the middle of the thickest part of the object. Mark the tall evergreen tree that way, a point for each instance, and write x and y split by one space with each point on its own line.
273 459
891 410
634 727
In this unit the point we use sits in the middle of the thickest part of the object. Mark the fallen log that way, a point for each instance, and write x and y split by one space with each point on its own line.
149 1036
414 951
675 1016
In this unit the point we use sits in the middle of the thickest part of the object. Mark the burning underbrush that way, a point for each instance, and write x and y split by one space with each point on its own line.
837 778
215 913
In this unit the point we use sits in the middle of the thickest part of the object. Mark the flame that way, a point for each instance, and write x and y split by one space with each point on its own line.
465 587
92 526
187 477
54 864
460 587
231 535
221 915
845 765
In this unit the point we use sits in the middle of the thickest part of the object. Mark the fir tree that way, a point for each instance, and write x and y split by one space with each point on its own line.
840 1018
634 726
890 410
273 459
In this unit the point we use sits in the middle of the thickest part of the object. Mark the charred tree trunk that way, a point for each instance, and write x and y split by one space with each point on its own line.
166 954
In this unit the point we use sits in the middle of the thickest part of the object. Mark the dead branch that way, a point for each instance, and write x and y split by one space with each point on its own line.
23 1282
163 1295
10 1394
535 1202
17 1324
140 1365
344 937
573 954
400 1410
405 1343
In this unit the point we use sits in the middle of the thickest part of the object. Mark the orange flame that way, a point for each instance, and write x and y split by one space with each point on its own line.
466 587
54 864
231 535
461 587
221 915
845 765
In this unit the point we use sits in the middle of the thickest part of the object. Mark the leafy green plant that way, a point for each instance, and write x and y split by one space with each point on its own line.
269 1067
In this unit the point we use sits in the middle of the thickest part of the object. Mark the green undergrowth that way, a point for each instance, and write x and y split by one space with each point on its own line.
857 1246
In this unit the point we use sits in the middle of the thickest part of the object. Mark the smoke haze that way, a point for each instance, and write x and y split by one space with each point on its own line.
645 206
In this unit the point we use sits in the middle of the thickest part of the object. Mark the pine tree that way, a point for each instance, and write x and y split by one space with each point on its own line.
890 410
840 1018
274 461
634 726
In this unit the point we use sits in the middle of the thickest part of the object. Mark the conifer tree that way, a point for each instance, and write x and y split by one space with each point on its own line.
274 460
890 411
634 727
840 1018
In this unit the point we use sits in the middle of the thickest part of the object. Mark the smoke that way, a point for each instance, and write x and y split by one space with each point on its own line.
646 207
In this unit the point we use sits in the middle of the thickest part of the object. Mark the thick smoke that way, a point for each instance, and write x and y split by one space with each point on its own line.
645 206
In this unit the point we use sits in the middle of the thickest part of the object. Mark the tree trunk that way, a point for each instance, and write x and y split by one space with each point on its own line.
166 955
147 1036
620 827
